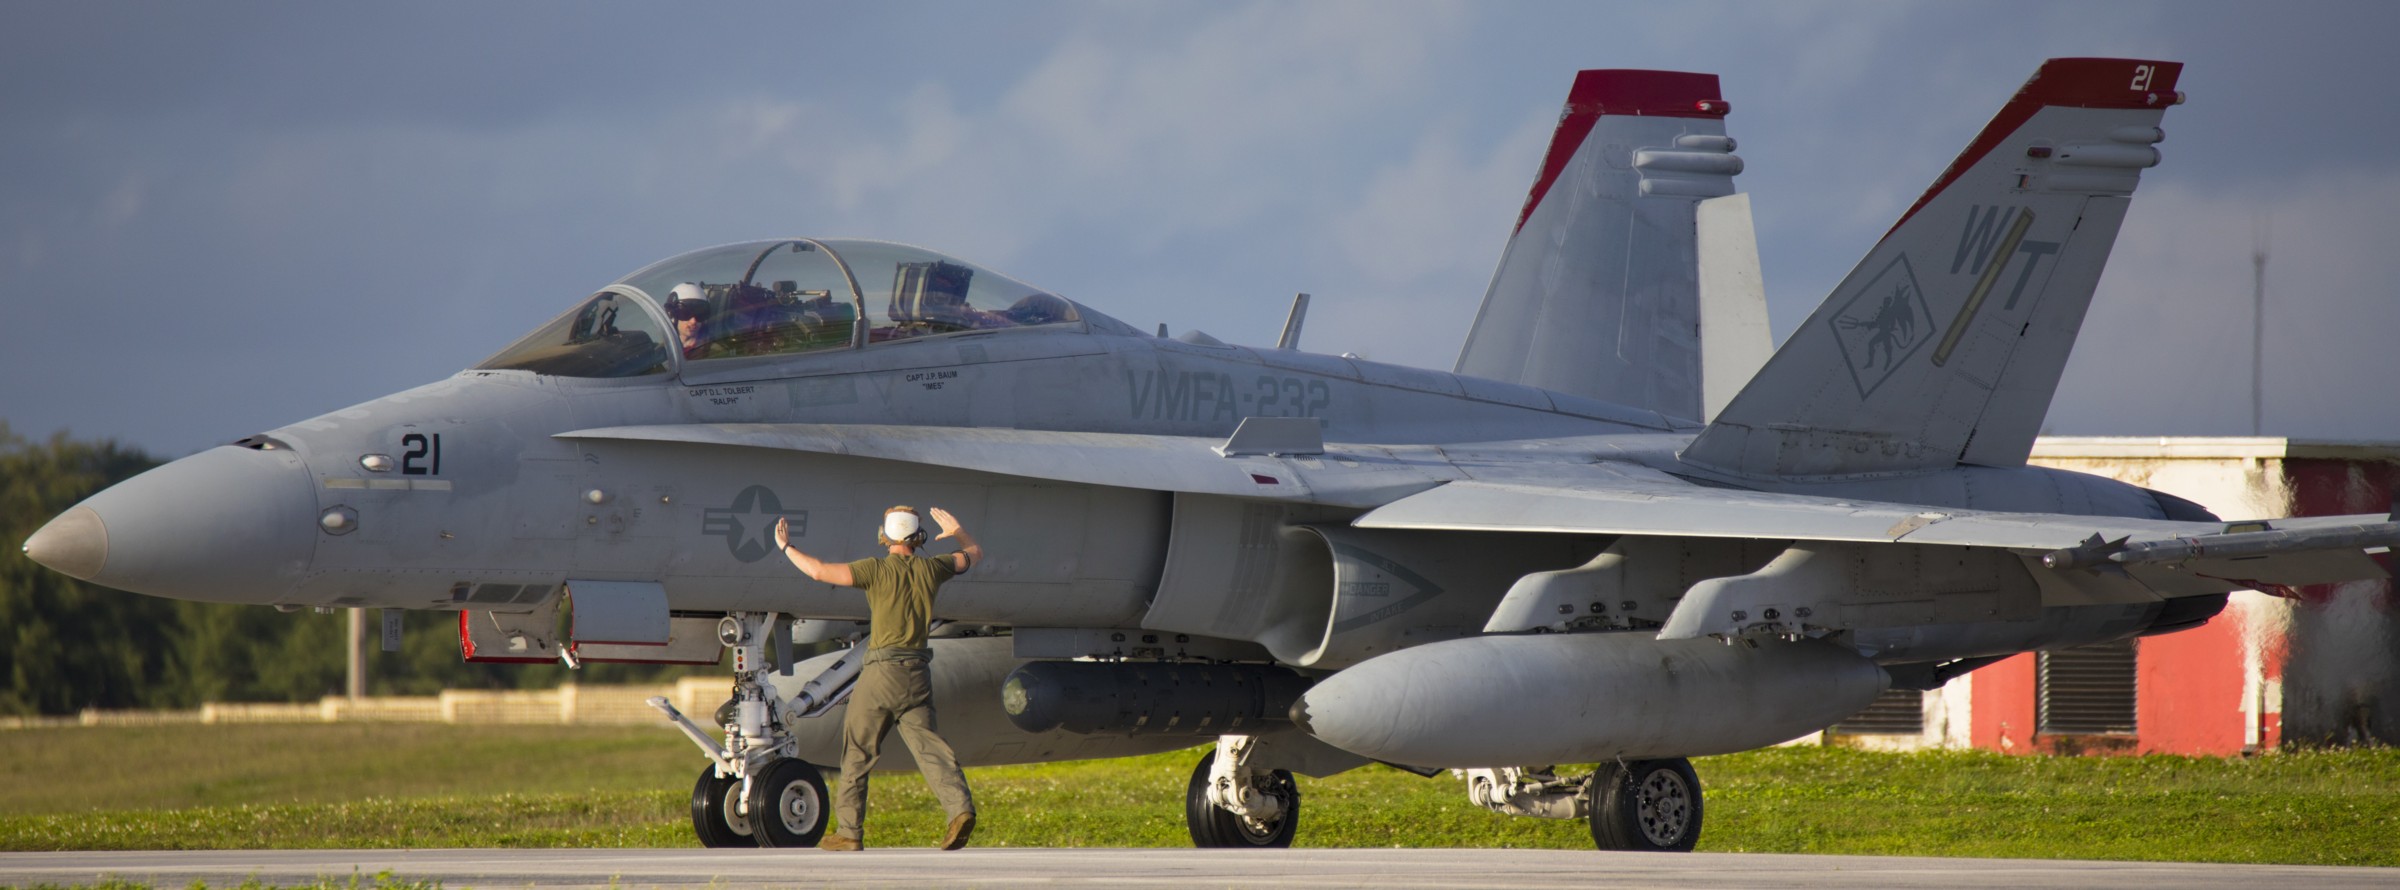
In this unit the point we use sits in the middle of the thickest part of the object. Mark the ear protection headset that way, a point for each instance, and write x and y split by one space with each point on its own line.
901 526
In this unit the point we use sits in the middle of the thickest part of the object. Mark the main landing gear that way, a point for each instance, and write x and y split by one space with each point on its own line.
755 792
1227 804
1639 805
1647 805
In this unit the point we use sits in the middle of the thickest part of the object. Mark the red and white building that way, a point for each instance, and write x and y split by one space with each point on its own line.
2323 669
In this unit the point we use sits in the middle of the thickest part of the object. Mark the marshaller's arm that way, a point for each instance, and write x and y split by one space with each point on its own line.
969 553
834 573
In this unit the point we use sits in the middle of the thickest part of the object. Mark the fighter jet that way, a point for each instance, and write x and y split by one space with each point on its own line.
1603 539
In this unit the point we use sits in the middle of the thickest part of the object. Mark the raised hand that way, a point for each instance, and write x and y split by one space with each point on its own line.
948 522
783 533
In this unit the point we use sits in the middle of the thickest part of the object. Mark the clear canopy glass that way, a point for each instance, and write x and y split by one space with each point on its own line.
772 297
792 296
610 335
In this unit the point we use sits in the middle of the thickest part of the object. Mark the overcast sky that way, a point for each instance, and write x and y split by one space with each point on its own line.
218 218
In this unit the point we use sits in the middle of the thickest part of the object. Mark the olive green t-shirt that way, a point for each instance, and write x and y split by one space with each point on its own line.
900 591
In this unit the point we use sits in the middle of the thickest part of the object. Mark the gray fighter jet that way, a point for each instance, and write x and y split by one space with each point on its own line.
1603 540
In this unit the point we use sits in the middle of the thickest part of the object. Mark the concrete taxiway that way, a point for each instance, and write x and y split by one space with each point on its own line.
1283 869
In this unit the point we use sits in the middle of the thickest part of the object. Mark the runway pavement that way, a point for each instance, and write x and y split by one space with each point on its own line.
1283 869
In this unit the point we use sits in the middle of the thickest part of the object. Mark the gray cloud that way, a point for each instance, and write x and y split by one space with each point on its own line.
225 217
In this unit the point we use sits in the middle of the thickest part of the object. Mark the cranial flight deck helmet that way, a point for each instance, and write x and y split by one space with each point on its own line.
901 525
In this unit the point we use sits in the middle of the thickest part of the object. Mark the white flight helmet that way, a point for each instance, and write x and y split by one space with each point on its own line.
687 301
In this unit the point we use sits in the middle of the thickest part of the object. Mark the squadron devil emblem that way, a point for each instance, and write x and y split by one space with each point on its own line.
1882 325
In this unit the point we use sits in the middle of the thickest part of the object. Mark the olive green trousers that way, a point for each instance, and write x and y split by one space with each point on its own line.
895 688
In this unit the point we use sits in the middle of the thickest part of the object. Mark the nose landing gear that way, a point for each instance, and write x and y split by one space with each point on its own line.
755 791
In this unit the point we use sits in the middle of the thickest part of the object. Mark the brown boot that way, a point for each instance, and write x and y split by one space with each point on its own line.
961 826
840 843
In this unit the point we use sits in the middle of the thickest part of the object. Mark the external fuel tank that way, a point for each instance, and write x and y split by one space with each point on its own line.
1585 697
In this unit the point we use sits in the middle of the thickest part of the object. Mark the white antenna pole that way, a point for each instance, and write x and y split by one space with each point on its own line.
356 684
2258 324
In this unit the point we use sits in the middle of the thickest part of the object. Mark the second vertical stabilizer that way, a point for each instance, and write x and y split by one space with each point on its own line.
1596 294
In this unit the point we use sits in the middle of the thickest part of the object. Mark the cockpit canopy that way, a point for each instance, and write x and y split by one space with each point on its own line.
779 298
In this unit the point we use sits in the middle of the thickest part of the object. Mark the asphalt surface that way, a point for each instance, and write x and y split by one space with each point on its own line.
991 867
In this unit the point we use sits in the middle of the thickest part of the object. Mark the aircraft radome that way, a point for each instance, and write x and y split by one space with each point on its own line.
1612 536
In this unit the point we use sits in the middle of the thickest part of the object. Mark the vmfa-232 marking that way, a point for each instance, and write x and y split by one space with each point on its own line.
1174 386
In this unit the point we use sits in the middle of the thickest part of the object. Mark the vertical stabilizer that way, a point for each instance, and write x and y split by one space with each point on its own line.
1945 344
1596 294
1734 339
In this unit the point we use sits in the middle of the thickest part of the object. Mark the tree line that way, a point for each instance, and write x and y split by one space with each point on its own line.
71 645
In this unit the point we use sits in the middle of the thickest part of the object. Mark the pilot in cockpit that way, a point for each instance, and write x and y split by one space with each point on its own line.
942 304
688 305
1037 309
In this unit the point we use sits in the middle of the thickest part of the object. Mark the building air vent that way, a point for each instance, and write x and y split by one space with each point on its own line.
1895 712
2086 690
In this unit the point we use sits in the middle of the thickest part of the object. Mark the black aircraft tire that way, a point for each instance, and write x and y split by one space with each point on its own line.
714 816
1213 826
1651 805
788 805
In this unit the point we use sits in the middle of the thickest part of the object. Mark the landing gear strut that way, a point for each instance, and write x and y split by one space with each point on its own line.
1227 804
1642 805
755 791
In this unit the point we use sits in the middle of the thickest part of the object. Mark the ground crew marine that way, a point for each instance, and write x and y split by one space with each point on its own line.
895 685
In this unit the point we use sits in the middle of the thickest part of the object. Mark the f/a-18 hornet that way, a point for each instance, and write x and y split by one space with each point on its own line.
1621 532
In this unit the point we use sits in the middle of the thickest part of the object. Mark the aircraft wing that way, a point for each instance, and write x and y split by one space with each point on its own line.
1635 500
1360 476
1608 497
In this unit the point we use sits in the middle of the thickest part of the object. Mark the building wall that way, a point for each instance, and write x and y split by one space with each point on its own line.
2003 705
2188 691
2199 691
2341 671
2322 670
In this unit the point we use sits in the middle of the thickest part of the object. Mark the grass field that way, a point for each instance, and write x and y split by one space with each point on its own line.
358 785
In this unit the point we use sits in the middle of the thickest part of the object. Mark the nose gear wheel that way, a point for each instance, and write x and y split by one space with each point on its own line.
716 811
787 805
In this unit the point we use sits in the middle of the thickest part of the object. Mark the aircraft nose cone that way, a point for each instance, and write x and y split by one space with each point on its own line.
226 525
75 543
